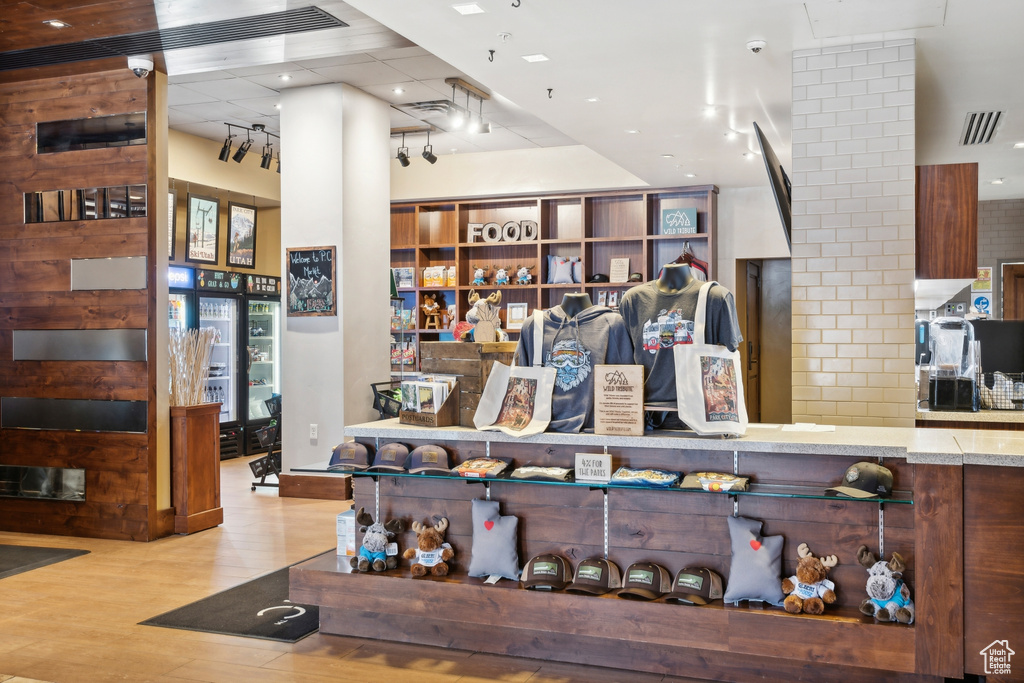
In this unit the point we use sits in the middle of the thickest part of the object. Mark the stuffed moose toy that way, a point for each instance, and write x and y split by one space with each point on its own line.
373 551
888 597
809 590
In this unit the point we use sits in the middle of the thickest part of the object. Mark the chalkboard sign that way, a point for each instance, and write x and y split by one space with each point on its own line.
218 280
311 276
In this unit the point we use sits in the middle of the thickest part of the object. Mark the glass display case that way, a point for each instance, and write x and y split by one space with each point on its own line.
221 313
263 330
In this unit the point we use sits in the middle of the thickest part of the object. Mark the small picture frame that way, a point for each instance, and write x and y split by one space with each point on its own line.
203 233
515 315
613 299
241 235
602 298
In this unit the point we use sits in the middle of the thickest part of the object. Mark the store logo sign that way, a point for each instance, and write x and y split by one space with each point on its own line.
997 658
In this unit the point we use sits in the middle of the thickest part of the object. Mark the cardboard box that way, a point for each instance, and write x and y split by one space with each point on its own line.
347 533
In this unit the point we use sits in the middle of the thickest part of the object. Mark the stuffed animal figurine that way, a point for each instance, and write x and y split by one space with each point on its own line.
373 551
478 276
501 275
809 590
888 597
483 315
523 276
431 553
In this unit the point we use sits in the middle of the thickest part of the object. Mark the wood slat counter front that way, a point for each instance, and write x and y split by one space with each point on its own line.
924 522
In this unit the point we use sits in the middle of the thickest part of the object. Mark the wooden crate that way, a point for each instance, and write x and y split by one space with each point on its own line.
470 362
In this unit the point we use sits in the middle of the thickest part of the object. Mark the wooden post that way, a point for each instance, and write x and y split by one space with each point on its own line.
195 467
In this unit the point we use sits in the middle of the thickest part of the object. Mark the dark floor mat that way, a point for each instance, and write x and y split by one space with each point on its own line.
15 559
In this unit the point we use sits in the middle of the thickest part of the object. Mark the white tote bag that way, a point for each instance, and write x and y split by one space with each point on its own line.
709 381
517 400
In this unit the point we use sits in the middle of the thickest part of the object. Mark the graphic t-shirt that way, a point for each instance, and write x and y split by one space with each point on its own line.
810 590
657 321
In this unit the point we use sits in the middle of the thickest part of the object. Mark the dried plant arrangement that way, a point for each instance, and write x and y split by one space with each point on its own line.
190 364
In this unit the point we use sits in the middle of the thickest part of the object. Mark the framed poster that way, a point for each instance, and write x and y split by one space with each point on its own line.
172 215
311 276
241 235
515 316
203 229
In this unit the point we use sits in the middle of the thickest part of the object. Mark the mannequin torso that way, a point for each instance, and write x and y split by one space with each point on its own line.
674 277
574 303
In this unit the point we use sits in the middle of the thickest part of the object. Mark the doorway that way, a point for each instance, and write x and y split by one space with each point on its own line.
764 306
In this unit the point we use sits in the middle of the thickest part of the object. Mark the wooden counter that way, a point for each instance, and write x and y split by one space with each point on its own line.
677 529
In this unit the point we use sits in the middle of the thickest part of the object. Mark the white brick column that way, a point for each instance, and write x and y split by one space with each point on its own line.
853 234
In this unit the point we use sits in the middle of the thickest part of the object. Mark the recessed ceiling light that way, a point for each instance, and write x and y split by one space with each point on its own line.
277 106
57 23
539 57
1018 145
749 155
468 8
668 156
690 175
453 150
285 77
592 99
632 131
398 91
997 181
731 135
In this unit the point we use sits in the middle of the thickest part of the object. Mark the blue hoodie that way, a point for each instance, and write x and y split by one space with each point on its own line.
573 346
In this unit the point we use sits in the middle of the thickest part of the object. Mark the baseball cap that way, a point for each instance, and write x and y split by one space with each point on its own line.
391 457
349 456
595 575
865 480
696 585
646 581
429 458
598 277
547 572
636 277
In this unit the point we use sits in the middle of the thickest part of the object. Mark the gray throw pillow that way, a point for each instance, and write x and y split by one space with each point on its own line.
755 572
563 271
494 542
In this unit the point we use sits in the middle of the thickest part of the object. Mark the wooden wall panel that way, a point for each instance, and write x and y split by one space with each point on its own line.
946 221
35 294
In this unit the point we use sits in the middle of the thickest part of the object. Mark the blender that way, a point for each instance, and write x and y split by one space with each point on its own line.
952 378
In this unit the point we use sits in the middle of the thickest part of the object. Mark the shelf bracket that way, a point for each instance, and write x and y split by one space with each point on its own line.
736 463
735 506
376 498
881 530
487 489
605 496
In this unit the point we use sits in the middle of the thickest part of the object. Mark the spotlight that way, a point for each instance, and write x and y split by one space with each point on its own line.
268 157
225 151
428 151
278 162
242 150
403 153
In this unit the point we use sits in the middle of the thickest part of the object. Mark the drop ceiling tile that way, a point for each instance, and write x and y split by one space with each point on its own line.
359 75
422 68
220 112
179 94
195 77
401 52
413 92
554 141
209 130
300 78
232 89
275 69
265 106
176 118
537 130
338 60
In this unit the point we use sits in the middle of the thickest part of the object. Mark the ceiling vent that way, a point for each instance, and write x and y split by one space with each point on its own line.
979 127
254 27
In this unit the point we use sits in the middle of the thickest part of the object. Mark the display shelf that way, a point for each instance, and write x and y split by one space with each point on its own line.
697 237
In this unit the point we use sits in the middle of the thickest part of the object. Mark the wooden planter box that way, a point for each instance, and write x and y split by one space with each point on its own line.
195 467
471 362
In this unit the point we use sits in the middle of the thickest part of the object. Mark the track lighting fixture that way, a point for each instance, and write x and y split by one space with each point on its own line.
403 153
243 149
428 151
459 116
278 162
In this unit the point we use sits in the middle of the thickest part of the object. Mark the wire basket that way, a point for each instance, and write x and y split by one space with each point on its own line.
273 405
267 435
1002 391
387 398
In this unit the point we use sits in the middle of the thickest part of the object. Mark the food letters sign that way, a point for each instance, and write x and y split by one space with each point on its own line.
311 276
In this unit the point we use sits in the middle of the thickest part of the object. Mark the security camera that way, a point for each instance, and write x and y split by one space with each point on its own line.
140 66
756 46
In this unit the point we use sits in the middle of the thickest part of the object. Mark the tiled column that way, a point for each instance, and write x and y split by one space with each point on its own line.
853 234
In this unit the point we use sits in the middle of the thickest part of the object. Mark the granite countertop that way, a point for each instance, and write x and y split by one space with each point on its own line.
921 446
991 447
1008 416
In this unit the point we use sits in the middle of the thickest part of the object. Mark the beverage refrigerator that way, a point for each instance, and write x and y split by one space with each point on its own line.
220 303
262 356
181 304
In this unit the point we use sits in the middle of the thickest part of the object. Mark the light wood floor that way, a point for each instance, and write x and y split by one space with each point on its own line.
77 620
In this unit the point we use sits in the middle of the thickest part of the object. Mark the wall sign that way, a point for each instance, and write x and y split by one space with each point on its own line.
203 229
523 231
181 278
262 284
241 235
596 467
619 400
679 221
311 276
218 280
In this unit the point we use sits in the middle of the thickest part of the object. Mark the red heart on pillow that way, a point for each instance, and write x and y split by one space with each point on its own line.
488 525
755 544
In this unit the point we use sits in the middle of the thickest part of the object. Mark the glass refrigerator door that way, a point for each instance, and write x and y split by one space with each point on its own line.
264 335
178 312
221 313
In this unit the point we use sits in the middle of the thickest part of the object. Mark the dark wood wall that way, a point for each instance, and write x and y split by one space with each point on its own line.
35 293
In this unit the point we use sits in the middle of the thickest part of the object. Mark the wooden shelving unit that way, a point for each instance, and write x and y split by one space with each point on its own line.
596 227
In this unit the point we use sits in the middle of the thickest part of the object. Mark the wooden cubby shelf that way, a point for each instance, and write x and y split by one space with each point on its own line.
594 226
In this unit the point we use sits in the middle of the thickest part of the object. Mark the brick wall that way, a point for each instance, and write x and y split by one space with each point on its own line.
853 234
1000 237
